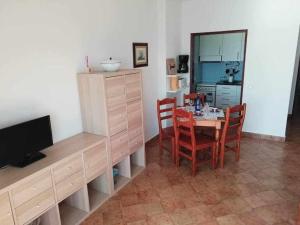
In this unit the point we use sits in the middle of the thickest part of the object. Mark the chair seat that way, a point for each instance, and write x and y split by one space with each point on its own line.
202 141
169 131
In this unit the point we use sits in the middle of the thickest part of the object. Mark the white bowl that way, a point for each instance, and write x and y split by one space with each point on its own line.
111 65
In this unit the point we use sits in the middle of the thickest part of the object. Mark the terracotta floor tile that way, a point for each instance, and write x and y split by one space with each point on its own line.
160 219
254 201
270 197
153 208
134 213
230 220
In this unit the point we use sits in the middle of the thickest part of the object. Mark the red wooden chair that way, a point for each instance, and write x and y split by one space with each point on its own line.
164 112
232 131
189 142
193 96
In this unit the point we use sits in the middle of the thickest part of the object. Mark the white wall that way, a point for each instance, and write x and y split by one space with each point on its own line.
42 47
272 41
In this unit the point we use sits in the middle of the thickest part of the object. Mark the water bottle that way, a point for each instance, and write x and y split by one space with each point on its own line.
197 106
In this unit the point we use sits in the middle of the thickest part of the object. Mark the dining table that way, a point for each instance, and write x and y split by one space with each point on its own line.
209 117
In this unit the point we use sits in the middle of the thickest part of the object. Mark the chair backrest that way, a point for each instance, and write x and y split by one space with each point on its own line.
193 96
234 120
184 123
164 110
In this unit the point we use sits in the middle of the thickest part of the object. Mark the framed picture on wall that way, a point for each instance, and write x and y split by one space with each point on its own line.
140 54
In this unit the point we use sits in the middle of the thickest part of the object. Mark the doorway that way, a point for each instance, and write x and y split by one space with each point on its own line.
293 121
218 66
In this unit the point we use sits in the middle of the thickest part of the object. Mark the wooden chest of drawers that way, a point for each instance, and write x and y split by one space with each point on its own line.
6 216
95 161
33 196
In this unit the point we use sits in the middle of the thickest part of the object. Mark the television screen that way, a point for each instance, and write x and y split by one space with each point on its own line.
20 142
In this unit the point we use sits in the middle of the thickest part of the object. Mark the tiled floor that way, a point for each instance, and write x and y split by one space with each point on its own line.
262 188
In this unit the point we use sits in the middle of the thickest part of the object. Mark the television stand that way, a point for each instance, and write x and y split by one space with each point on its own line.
28 159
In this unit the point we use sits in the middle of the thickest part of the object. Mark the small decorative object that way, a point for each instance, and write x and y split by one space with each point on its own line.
182 82
231 70
171 67
183 64
140 54
173 82
88 69
111 65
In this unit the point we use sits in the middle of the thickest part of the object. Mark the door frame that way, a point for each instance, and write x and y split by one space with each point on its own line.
193 35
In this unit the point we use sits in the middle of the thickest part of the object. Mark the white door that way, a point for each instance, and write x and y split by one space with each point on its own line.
233 45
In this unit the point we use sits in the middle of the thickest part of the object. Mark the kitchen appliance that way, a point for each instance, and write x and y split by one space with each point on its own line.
183 64
232 69
209 90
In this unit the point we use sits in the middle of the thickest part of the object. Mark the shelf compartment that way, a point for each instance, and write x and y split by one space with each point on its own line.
98 191
137 162
123 175
75 208
50 217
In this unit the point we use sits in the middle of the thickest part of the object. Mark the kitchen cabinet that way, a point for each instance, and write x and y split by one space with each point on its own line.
228 95
211 47
233 47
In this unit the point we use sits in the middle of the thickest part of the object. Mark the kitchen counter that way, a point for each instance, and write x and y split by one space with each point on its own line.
237 82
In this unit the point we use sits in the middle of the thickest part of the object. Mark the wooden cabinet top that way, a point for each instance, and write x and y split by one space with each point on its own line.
57 152
112 74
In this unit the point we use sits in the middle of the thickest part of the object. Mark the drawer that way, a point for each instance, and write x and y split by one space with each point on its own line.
119 146
133 87
6 217
134 114
31 188
117 119
135 143
227 100
228 90
134 132
70 185
67 168
95 161
115 90
35 207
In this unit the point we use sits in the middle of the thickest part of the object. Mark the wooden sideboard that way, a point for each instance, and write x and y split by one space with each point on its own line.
61 189
112 105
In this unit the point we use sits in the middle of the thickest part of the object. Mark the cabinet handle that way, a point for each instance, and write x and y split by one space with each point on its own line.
219 50
238 56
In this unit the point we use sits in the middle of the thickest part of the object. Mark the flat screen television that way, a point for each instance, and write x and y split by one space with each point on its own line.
21 144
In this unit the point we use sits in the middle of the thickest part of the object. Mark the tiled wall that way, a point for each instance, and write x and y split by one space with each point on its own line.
213 72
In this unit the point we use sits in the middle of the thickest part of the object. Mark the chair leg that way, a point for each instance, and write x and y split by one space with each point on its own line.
160 144
237 151
173 149
222 154
194 163
213 157
177 155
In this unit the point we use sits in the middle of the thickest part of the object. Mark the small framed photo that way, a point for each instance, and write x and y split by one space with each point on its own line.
140 54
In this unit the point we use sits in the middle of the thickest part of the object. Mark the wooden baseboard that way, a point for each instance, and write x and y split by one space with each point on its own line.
244 134
263 137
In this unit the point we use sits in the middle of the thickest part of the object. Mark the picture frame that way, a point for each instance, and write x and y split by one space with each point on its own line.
171 66
140 54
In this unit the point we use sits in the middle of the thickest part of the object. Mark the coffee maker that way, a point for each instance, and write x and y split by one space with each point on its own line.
183 64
